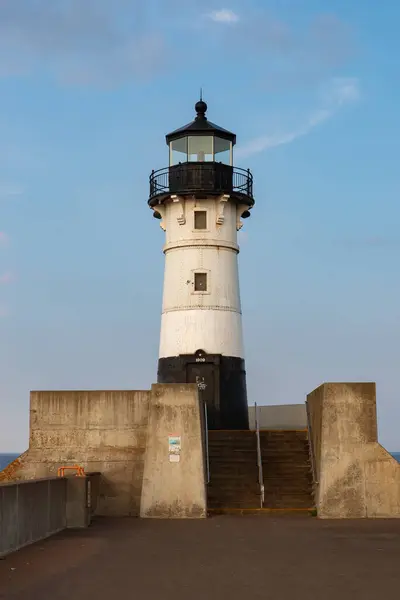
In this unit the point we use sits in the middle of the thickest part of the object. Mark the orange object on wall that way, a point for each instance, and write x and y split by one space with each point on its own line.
80 471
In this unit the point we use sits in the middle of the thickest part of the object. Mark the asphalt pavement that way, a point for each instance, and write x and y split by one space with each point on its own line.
225 557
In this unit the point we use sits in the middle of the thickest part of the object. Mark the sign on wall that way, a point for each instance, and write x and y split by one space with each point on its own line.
174 448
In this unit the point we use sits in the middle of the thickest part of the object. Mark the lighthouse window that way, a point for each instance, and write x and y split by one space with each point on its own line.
200 282
200 219
178 151
200 148
223 151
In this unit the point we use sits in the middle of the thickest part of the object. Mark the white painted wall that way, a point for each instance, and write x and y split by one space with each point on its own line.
222 279
216 332
209 320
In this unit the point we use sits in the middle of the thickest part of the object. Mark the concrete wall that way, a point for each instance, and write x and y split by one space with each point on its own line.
174 489
285 416
33 510
356 476
103 431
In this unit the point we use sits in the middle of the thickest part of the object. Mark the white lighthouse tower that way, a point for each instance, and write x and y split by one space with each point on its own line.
201 199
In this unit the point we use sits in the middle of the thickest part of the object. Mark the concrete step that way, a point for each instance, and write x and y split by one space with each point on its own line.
234 501
230 473
284 465
283 435
288 485
233 447
234 492
289 471
287 502
234 471
240 458
289 490
234 452
264 512
240 490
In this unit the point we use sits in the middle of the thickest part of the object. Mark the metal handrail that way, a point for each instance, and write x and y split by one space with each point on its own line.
311 445
259 457
242 179
206 442
80 471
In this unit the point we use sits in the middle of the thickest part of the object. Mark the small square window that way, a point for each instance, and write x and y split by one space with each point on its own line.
200 282
200 219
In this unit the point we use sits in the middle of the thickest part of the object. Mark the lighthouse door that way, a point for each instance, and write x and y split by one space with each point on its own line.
205 375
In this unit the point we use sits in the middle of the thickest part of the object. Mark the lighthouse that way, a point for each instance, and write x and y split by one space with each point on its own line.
201 199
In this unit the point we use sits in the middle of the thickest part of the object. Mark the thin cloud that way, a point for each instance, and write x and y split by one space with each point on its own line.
3 238
224 15
10 191
294 56
373 242
339 93
90 42
6 278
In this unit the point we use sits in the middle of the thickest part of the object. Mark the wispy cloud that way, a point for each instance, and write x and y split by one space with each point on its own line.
375 242
379 242
6 278
339 93
10 191
293 55
224 15
88 42
103 43
3 238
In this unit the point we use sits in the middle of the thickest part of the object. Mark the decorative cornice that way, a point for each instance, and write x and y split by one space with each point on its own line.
221 208
240 209
161 209
181 216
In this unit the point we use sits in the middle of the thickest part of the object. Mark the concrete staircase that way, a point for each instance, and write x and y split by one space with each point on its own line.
288 482
234 472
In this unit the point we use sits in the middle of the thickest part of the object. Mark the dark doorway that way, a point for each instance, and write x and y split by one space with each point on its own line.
205 375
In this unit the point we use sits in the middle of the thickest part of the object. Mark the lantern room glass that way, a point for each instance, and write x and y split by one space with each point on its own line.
222 150
178 151
200 148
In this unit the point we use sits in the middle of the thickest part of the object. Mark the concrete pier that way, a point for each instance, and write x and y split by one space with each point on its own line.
236 558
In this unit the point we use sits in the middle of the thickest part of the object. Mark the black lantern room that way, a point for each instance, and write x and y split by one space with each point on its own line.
201 161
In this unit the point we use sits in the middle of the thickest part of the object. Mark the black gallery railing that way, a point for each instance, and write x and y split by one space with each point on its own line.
198 177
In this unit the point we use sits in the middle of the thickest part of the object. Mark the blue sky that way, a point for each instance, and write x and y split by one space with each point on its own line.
88 90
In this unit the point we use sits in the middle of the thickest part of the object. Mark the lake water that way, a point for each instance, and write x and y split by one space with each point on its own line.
5 459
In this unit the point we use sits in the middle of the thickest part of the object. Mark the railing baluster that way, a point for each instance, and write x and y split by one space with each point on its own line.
311 445
259 457
206 442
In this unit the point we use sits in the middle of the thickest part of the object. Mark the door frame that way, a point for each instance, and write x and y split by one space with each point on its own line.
201 357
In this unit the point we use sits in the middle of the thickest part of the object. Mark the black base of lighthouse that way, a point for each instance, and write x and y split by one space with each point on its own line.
221 381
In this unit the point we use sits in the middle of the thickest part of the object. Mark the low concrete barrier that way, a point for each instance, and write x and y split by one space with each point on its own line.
33 510
355 477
